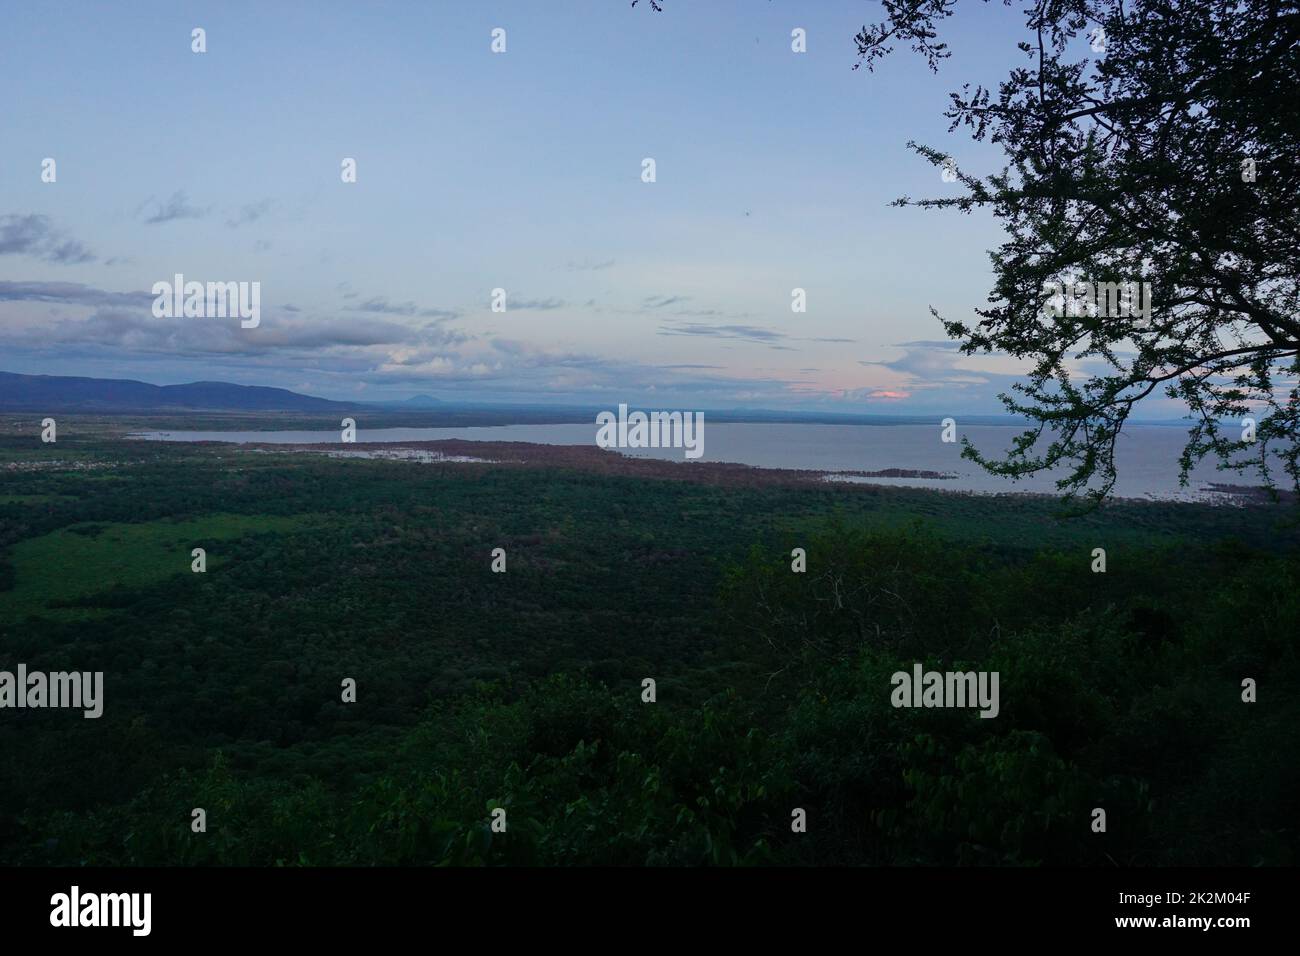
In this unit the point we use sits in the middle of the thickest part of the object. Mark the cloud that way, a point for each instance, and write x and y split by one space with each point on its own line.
749 333
587 265
386 343
663 301
951 345
70 293
34 235
522 370
339 351
936 361
541 304
139 332
934 365
125 321
527 355
177 207
249 213
381 306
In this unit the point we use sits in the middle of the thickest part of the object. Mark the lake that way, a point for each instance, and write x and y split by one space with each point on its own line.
1147 455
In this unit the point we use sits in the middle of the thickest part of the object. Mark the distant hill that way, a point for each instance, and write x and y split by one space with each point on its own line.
422 401
57 392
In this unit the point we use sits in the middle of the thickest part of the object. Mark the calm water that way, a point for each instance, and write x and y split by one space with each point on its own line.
1147 456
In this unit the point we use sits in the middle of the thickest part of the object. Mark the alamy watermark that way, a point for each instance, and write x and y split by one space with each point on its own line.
36 689
654 430
215 300
75 909
923 688
1111 300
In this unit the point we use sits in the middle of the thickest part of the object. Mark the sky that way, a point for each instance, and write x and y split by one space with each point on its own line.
475 170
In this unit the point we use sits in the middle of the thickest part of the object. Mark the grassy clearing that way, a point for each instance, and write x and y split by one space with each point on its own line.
86 559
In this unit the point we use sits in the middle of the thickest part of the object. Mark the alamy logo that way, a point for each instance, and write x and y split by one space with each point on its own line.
77 690
103 909
1111 300
215 300
947 689
656 430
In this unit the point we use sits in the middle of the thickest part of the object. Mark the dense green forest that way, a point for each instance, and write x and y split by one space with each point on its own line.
523 690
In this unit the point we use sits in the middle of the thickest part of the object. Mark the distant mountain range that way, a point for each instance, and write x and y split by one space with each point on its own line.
62 393
51 393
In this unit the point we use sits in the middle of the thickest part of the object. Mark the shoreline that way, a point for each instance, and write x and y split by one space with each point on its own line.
590 458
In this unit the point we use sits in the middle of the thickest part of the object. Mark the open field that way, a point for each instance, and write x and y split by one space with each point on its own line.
74 571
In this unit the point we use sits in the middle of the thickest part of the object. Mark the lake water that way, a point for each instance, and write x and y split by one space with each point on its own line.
1147 455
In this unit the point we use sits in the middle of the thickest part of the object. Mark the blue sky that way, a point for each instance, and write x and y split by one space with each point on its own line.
478 171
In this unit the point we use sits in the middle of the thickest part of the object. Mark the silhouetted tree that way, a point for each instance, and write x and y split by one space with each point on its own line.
1146 141
1152 141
